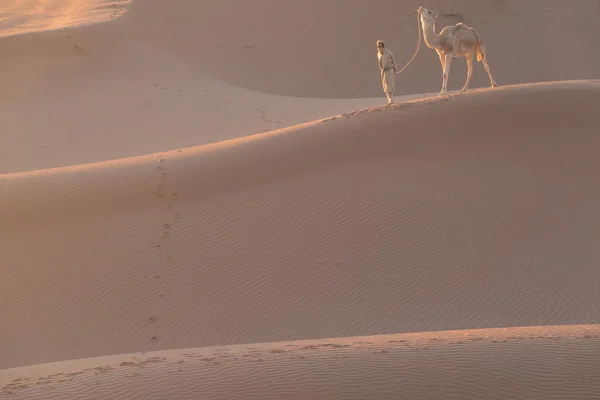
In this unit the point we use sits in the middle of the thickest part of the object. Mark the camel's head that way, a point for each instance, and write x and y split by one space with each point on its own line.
426 15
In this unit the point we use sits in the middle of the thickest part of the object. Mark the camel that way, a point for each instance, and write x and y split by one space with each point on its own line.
452 42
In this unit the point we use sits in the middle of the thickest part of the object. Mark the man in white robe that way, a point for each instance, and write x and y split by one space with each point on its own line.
388 67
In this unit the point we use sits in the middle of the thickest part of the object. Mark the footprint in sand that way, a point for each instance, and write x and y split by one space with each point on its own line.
160 190
80 50
127 364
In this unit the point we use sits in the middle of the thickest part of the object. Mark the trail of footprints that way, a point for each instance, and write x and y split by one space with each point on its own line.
218 357
293 351
166 227
161 193
261 113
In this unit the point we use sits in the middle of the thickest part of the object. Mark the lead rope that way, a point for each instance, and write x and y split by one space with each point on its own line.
418 44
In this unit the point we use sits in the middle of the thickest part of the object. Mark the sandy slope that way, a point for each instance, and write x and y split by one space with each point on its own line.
375 223
518 363
108 91
144 82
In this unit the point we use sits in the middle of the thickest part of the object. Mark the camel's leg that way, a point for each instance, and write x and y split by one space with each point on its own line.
487 69
469 58
442 60
447 64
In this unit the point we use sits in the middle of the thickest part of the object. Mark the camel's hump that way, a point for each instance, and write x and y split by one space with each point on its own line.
462 26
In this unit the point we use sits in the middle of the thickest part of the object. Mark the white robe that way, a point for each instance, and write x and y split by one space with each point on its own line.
387 65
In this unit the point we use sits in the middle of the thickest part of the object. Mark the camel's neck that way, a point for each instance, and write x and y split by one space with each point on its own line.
431 39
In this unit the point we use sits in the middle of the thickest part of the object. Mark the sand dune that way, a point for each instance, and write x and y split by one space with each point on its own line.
516 363
107 91
173 74
161 189
381 222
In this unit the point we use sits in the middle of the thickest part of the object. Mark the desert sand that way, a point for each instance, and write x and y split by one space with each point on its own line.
514 363
198 203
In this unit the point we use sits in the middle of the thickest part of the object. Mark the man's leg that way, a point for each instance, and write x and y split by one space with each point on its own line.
391 82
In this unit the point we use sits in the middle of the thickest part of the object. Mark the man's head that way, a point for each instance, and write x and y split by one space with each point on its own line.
380 45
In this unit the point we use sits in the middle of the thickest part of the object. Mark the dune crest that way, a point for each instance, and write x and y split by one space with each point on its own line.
550 362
